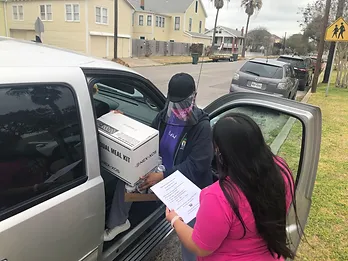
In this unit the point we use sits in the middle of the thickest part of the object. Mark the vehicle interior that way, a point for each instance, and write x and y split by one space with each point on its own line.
132 98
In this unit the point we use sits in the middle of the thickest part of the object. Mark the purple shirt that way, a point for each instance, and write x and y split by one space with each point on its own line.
170 138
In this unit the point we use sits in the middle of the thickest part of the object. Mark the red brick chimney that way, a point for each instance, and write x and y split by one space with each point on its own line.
142 4
242 31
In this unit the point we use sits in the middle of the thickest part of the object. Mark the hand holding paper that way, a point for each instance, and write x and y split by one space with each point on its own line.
178 193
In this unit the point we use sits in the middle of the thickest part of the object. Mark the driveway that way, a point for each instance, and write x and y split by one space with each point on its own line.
214 81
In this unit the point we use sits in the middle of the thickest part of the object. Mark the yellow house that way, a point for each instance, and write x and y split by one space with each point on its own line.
85 26
170 20
3 20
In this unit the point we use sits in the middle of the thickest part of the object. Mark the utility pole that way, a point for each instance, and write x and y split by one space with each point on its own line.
321 46
339 13
284 44
115 28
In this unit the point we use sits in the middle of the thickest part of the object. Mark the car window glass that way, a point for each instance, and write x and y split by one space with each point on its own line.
288 72
125 95
281 132
40 142
262 70
294 62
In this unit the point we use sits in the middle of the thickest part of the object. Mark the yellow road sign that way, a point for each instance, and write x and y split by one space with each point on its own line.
337 31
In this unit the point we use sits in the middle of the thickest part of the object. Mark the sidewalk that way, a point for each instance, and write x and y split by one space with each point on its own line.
167 60
160 60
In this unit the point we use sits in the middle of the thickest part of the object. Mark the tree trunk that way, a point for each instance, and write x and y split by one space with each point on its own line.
321 46
245 37
345 76
115 28
216 19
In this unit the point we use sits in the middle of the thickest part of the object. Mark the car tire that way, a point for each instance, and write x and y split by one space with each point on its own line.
294 96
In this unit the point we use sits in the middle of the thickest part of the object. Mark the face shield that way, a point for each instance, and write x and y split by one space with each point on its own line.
182 113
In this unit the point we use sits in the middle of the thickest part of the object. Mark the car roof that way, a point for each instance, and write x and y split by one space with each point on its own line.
272 62
20 53
292 57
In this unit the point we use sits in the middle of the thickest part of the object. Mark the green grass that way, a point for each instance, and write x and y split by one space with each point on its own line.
327 228
291 148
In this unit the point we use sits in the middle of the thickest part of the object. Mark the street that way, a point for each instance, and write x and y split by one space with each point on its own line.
214 81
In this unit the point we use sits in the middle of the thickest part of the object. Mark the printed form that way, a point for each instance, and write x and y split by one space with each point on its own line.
178 193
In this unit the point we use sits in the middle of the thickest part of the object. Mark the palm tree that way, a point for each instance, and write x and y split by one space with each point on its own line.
250 6
218 5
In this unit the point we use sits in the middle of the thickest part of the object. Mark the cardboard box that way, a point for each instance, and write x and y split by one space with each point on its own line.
129 149
137 197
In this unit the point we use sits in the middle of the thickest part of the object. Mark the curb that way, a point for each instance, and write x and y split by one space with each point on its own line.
284 133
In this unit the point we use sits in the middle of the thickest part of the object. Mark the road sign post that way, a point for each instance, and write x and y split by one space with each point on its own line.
333 61
39 27
336 32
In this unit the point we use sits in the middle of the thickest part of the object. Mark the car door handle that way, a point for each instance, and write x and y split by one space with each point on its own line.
5 259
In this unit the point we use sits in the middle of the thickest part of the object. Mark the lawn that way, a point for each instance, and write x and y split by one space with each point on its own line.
327 228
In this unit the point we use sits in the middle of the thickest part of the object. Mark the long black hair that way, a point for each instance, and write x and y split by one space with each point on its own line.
245 162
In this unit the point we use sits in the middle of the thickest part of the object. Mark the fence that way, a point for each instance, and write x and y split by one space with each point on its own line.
146 48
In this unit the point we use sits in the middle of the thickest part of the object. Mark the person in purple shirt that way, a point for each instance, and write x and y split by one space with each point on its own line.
185 145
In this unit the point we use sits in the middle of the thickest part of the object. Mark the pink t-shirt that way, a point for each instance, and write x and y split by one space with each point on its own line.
218 229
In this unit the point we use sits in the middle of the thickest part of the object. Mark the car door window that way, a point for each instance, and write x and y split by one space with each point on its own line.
293 131
126 95
288 72
40 145
281 132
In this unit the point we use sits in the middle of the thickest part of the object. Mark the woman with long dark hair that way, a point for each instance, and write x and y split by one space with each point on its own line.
243 215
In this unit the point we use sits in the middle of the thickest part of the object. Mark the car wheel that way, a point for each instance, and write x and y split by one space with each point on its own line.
294 96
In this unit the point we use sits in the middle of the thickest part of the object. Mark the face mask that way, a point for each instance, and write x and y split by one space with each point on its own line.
182 113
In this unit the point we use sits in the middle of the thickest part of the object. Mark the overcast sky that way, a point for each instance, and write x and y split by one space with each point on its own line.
278 16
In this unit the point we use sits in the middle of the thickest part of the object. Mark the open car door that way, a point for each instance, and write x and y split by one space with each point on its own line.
293 131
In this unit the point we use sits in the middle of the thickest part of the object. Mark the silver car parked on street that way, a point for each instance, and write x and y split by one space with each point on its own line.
267 76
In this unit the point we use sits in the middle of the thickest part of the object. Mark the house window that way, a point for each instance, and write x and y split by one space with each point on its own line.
160 21
141 20
196 7
149 20
190 24
72 12
17 12
101 15
142 37
177 23
200 27
46 12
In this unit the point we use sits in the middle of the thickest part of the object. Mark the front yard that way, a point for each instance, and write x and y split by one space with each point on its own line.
327 228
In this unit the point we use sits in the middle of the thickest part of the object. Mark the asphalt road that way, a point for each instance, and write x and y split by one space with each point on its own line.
214 81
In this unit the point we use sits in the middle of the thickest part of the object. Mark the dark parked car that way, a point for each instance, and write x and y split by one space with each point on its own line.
267 76
303 69
314 63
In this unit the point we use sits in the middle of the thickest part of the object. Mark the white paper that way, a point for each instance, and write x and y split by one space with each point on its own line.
178 193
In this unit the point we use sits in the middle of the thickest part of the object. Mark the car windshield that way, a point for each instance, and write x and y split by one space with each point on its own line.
297 63
263 70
